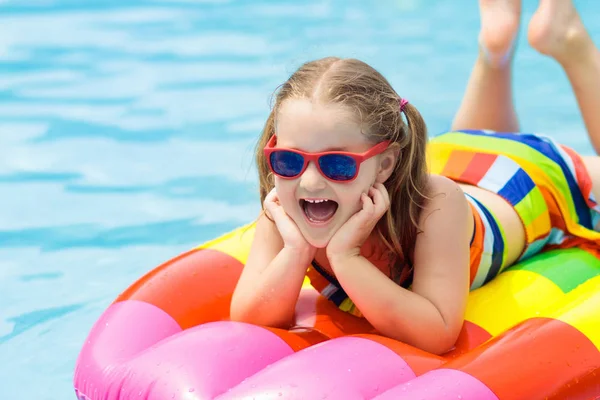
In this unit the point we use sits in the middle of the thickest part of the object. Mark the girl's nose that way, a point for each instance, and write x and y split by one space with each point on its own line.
312 180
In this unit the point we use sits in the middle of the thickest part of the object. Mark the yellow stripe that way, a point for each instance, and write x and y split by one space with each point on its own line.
437 158
306 283
510 298
235 243
580 309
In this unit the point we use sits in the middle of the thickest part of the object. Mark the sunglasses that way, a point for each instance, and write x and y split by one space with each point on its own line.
337 166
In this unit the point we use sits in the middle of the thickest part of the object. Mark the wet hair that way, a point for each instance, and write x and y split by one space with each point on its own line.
376 105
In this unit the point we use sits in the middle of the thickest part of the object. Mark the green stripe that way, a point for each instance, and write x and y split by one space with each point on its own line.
504 265
566 268
507 147
531 206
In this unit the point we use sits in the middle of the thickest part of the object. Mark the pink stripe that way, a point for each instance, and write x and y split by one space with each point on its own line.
343 368
122 331
136 351
440 384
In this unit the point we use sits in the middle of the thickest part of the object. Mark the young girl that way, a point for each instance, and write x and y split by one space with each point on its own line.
398 236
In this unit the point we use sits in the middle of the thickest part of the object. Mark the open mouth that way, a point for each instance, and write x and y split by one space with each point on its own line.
318 211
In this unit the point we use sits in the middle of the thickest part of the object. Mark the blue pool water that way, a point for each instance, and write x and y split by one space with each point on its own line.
127 129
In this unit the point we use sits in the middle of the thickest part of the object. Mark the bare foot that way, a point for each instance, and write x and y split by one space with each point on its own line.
556 30
500 20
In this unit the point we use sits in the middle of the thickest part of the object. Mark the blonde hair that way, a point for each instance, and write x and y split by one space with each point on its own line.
367 93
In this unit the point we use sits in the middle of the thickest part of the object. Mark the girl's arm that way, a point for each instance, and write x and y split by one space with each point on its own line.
431 315
268 288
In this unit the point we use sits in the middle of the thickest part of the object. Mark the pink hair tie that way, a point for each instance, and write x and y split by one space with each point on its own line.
403 103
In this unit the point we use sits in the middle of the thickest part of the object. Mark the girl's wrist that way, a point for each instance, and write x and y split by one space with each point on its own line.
340 258
301 254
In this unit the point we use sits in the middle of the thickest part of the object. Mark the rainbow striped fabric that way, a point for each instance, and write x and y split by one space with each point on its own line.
545 182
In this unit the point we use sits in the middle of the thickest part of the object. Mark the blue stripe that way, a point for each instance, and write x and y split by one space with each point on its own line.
498 243
340 295
548 149
517 187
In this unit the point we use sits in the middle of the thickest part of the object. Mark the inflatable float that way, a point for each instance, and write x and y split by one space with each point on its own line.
531 333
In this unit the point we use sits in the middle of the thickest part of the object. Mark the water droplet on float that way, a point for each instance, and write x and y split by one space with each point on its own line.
279 394
191 390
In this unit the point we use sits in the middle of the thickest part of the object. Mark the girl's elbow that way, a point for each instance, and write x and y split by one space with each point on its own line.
436 341
441 343
440 347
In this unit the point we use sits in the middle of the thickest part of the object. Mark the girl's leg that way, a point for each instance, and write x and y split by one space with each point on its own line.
488 100
556 30
592 164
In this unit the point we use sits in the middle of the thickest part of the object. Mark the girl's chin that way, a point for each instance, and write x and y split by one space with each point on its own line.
319 241
318 244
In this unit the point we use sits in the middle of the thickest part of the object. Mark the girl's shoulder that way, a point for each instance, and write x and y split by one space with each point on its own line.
441 186
445 203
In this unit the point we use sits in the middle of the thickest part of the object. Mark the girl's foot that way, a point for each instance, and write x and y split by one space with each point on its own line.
556 30
500 20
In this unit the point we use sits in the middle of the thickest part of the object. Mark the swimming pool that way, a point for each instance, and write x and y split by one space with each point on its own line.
126 136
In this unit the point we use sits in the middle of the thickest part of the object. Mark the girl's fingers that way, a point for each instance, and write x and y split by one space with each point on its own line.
367 203
384 193
271 202
271 196
379 201
276 211
269 206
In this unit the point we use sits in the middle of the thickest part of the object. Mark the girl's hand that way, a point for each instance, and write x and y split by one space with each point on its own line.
291 235
348 240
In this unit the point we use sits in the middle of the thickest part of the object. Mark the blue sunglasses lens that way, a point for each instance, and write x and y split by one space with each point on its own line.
286 163
338 167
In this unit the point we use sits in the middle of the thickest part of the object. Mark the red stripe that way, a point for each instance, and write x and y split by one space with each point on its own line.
534 360
582 175
478 167
477 245
194 288
471 336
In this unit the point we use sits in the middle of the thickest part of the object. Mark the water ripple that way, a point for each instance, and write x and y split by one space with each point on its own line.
29 320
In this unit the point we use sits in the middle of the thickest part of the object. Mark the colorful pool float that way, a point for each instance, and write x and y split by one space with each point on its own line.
531 333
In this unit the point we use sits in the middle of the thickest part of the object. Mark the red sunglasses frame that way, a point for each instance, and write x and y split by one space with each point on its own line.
314 157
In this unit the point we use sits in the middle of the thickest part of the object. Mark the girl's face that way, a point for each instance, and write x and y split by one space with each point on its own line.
317 205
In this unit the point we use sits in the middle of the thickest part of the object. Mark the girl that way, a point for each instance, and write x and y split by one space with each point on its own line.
399 236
